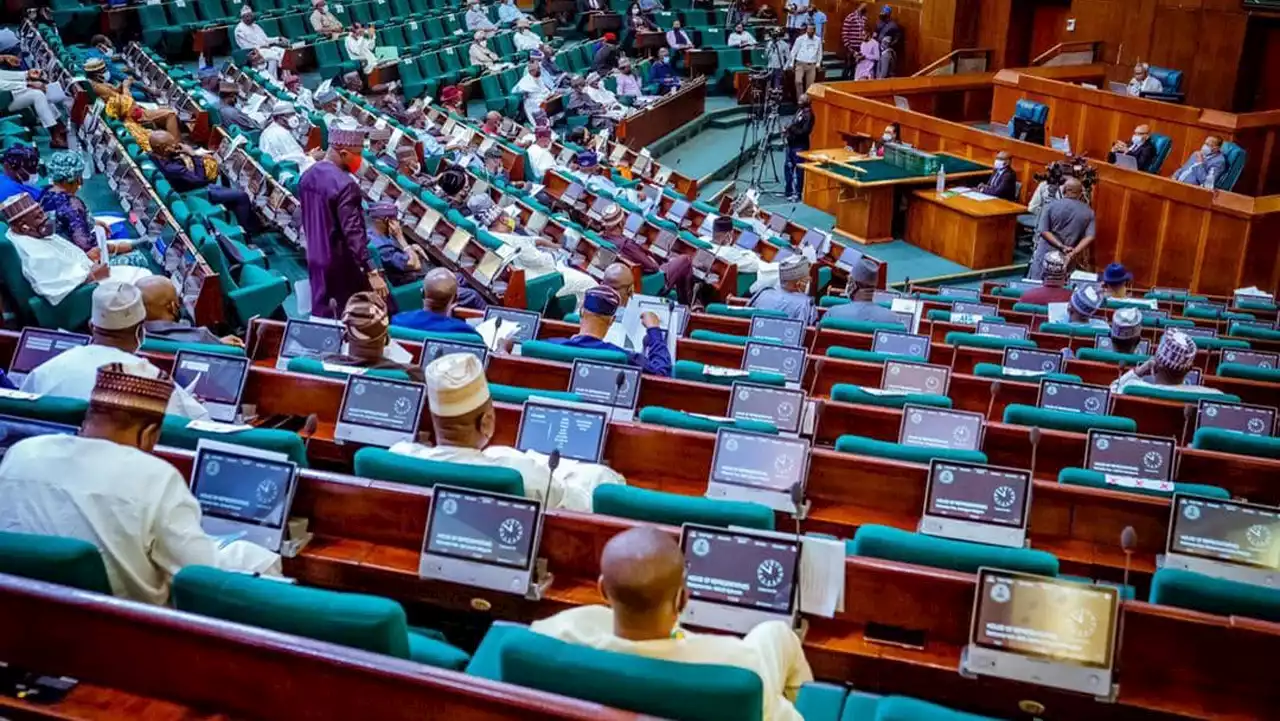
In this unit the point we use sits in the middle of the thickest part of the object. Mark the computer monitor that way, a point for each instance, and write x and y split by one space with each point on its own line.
1131 460
1028 131
738 579
634 223
780 330
1225 539
598 206
1029 361
37 345
481 539
607 384
1256 359
758 467
777 222
1192 378
903 377
930 427
786 361
572 194
903 344
748 240
962 307
379 411
678 210
972 294
244 493
1198 331
782 407
308 339
527 322
433 349
1103 342
1203 305
216 380
1239 417
14 429
1042 630
1075 397
576 430
814 239
457 244
1003 330
976 502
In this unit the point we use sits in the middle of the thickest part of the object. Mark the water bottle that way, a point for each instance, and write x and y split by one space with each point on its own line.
1211 179
942 180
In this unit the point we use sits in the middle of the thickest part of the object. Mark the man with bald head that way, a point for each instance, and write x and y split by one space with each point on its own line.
439 297
164 315
1066 225
186 171
1139 147
642 580
622 280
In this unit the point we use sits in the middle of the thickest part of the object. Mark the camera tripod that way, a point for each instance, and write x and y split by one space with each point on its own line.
763 125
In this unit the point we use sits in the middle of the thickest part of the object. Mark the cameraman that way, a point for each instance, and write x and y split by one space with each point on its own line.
777 52
797 141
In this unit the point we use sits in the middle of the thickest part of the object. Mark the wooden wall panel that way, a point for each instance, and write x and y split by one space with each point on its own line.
1180 234
1219 264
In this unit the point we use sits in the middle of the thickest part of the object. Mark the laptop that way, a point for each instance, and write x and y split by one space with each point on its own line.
778 222
782 407
1126 161
1239 417
607 384
1253 358
1131 460
738 579
760 468
1029 361
1118 88
963 307
1103 342
481 539
308 339
1231 540
815 238
780 330
903 344
244 493
527 321
661 246
379 411
1075 397
216 380
930 427
976 502
786 361
903 377
1003 330
14 429
634 223
1045 631
433 349
572 194
37 345
576 430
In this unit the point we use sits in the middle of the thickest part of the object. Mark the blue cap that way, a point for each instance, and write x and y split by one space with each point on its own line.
587 159
1116 274
601 300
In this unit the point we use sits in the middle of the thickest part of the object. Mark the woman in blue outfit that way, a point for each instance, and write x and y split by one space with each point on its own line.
71 217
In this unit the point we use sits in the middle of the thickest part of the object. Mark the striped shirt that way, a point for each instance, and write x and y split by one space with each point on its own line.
853 32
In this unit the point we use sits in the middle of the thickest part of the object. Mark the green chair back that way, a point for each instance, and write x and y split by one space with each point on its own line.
55 559
383 465
864 446
1023 415
893 544
1185 589
1241 444
670 418
848 393
674 509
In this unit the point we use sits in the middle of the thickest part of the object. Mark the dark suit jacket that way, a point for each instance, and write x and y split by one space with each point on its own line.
1002 184
1144 155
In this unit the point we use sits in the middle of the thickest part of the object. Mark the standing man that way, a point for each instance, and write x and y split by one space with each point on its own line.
1066 225
806 56
853 33
797 141
889 35
797 18
333 220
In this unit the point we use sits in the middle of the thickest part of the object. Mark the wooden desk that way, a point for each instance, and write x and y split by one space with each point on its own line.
975 234
665 116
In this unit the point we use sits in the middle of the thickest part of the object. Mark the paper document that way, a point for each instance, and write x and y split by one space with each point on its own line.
18 395
1058 313
216 427
908 305
493 335
880 391
821 576
978 197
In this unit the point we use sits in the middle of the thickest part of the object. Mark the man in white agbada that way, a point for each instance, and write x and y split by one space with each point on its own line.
481 56
115 325
642 580
462 421
29 91
360 44
725 245
250 36
277 138
477 19
53 265
535 255
531 90
541 159
104 486
599 93
524 38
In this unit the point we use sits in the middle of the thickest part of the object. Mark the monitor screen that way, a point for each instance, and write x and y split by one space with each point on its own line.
1031 360
210 377
885 296
1198 332
1250 358
304 338
915 346
1024 285
577 431
759 460
605 384
527 321
748 240
979 309
930 427
572 193
769 358
242 487
1077 397
14 429
1003 330
777 222
915 378
678 210
779 330
382 403
1045 618
37 346
433 349
1103 342
635 222
738 568
979 493
484 527
598 206
1192 378
814 239
1149 458
1227 531
972 294
1204 305
1250 420
779 406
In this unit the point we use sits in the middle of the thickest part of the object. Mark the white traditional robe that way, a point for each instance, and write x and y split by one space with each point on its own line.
253 37
527 40
133 506
54 266
360 48
533 92
73 373
542 160
277 142
537 262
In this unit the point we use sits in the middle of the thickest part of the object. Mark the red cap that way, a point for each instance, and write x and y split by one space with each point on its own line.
610 37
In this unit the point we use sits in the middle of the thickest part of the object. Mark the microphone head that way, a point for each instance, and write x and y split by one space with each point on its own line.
1035 435
553 461
309 426
797 495
497 322
995 386
1128 539
620 380
333 307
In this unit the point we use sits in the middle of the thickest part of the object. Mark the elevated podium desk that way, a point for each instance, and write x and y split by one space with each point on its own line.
861 192
977 234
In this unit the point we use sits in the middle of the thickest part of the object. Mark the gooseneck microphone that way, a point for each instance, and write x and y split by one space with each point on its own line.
1035 447
618 382
1128 542
497 326
991 402
309 427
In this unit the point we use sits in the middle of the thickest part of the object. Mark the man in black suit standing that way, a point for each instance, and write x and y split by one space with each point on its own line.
1003 183
1139 147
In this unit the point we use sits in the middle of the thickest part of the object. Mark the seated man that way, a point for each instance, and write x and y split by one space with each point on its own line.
597 311
21 165
187 171
28 90
105 487
677 270
403 262
476 17
629 85
324 22
1003 182
366 332
526 40
662 73
531 89
480 54
1168 368
360 44
740 38
440 295
642 580
863 280
164 315
724 242
541 159
278 141
1115 281
793 296
606 57
509 14
536 255
229 114
250 36
1205 166
678 40
462 422
1139 147
53 265
1143 82
604 97
580 103
116 329
1126 330
1082 309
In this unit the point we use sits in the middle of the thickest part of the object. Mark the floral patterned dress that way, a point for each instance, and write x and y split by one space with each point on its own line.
73 222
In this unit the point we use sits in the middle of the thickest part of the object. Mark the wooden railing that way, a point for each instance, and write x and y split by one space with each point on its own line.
958 62
1080 52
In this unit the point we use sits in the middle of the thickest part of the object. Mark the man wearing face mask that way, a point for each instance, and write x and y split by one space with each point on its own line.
325 22
403 262
663 73
1139 147
1003 183
115 325
164 315
20 163
1066 225
278 140
792 297
187 170
1206 166
333 220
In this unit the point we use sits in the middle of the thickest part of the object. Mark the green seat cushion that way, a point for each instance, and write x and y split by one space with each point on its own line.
831 301
902 708
1073 329
671 418
383 465
866 356
1036 308
734 311
1253 373
1109 356
973 340
517 395
1185 589
1096 479
817 701
1178 295
848 393
54 409
175 433
686 370
864 446
1005 291
872 541
1222 344
316 367
1242 444
1024 415
1177 393
568 354
1248 331
673 509
159 345
859 326
430 648
995 370
55 559
731 339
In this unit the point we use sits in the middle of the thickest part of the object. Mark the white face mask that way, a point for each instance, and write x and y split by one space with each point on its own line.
887 137
1001 164
292 122
1206 149
34 179
1137 139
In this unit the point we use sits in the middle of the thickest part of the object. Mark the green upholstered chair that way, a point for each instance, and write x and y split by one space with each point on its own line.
864 446
32 309
674 509
568 354
383 465
995 370
517 394
160 345
1074 329
46 408
347 619
829 702
848 393
1099 355
734 311
55 559
1180 296
973 340
662 689
670 418
866 356
858 326
1253 373
692 371
1024 415
738 340
257 292
538 291
893 544
1005 291
1241 444
1185 589
1096 479
944 316
316 367
943 298
174 432
1036 308
1177 393
831 301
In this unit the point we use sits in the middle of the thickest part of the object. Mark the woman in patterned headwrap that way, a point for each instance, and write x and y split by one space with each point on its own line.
71 217
121 105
